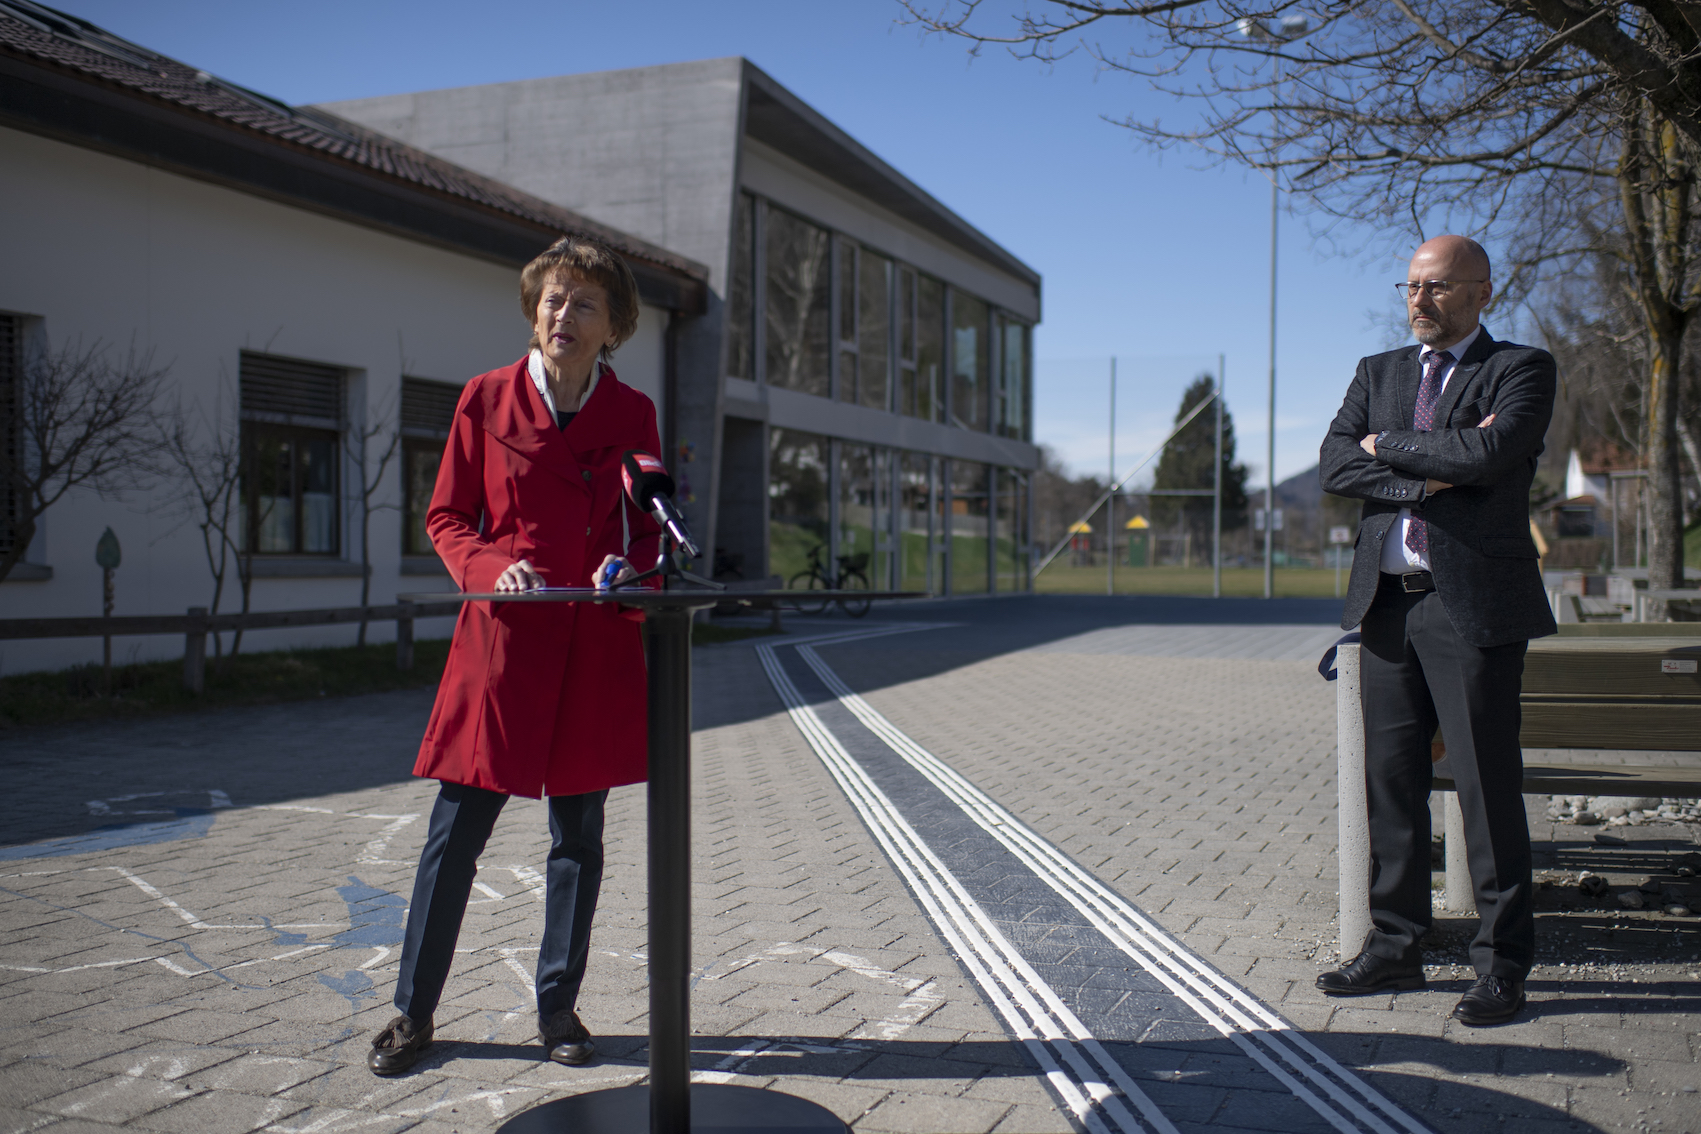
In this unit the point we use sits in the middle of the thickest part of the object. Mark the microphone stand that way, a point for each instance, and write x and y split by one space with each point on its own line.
667 567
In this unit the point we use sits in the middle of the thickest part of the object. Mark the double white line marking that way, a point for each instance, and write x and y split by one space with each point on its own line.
1092 1084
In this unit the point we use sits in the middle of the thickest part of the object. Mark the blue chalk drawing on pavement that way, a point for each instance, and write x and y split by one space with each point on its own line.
191 823
283 936
376 918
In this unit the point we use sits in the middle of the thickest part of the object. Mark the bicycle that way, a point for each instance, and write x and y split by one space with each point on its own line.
851 577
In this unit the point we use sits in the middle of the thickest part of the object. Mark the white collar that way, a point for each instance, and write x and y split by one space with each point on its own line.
1457 350
540 379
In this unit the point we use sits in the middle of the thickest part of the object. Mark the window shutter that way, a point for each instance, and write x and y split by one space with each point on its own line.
428 407
290 391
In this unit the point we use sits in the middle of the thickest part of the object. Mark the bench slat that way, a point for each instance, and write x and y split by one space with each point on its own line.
1640 727
1604 779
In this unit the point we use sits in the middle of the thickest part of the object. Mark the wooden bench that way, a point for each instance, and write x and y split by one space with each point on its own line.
1614 686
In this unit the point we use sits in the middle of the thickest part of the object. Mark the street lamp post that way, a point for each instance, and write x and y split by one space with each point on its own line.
1290 28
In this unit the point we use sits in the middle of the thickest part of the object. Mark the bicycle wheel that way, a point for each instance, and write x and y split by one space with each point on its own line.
808 581
854 581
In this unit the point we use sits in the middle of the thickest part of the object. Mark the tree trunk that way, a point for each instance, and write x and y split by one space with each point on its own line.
1665 459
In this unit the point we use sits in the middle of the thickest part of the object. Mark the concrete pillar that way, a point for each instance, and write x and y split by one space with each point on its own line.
1352 853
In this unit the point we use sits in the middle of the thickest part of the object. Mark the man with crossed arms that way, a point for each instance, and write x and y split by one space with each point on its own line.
1440 442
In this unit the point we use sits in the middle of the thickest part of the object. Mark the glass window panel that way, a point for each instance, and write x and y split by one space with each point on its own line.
1018 371
930 349
318 495
274 493
969 534
918 521
798 316
741 292
419 480
874 328
847 293
797 501
906 314
970 363
857 508
847 376
1011 532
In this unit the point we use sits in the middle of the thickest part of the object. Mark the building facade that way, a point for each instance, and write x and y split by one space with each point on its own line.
859 389
315 295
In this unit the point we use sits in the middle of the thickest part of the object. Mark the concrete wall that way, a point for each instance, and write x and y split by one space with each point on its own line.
104 249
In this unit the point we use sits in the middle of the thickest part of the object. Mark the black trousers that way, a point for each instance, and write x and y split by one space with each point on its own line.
461 822
1418 672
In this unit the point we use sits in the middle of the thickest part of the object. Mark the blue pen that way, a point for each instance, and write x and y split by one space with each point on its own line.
609 574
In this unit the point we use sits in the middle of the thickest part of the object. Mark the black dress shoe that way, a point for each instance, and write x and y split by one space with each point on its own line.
567 1040
398 1046
1491 1000
1369 974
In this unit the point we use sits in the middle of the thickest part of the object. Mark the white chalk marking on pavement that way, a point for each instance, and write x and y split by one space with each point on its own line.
1229 1009
381 953
77 968
530 879
291 807
178 969
493 893
1062 1046
920 999
374 852
142 885
519 970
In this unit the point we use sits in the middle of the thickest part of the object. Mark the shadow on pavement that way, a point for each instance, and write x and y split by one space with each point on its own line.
1198 1085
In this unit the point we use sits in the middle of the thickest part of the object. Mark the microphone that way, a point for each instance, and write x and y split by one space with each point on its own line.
650 488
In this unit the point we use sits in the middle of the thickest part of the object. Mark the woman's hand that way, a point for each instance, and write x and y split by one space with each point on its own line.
624 573
519 576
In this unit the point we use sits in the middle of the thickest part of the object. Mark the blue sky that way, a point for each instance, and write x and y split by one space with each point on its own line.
1153 258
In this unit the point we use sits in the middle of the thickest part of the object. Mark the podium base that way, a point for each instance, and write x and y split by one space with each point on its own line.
716 1108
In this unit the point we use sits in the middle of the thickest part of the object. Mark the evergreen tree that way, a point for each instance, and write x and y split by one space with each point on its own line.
1186 463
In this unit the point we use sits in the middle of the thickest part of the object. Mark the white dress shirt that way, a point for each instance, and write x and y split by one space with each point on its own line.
1397 558
540 379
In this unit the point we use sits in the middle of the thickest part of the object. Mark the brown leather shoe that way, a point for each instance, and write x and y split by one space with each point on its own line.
1368 974
567 1040
398 1046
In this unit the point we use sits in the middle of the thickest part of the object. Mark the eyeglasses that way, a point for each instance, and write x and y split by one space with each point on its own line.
1440 289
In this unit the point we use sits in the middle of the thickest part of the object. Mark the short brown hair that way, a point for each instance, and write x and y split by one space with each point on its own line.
591 260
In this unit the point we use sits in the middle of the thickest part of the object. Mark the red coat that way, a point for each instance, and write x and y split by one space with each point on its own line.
539 698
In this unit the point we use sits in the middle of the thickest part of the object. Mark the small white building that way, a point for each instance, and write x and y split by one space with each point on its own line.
304 280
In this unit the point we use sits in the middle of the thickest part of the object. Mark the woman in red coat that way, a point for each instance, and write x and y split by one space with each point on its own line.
537 699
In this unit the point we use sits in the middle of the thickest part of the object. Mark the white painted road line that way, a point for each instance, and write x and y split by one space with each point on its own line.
1073 1062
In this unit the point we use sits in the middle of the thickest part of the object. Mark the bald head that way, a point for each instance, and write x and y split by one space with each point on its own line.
1442 315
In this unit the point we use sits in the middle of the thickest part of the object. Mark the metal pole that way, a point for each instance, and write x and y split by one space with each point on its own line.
1217 498
1270 449
670 869
1110 504
1352 809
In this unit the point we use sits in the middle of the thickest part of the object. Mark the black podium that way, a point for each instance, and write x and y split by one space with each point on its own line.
671 1104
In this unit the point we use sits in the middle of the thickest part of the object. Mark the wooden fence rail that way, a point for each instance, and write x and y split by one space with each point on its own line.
197 624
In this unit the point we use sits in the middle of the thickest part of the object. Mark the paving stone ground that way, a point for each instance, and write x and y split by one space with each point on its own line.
199 914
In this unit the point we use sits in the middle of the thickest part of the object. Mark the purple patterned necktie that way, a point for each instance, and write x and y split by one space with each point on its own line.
1423 420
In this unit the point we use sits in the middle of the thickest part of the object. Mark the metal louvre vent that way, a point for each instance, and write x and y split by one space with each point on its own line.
287 388
428 407
11 428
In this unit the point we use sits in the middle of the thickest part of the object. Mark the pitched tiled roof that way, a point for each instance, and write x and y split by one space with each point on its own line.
54 39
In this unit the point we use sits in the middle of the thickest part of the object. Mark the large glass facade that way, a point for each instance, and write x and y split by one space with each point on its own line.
971 363
797 274
798 501
930 349
1010 531
920 523
874 328
741 292
860 514
969 528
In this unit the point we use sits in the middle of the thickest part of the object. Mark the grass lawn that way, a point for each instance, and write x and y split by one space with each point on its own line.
151 688
1238 582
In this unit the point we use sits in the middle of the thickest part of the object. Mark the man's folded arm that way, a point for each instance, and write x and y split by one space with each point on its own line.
1522 407
1346 469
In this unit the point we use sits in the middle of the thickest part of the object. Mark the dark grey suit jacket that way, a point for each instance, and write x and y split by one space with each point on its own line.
1480 549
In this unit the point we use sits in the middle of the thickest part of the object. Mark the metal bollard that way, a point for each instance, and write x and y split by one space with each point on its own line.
404 637
195 655
1459 896
1352 848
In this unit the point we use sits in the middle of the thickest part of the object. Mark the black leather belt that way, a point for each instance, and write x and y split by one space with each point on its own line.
1414 582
